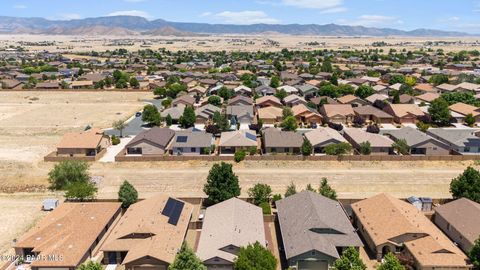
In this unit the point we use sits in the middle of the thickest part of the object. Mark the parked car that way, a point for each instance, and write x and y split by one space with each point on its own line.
49 204
138 114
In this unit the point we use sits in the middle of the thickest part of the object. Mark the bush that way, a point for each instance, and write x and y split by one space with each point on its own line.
127 194
115 140
255 257
81 191
306 148
423 127
68 172
239 156
365 148
252 150
373 129
260 193
337 127
266 210
276 197
337 149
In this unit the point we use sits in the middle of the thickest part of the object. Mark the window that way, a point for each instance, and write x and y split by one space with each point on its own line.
193 149
466 149
286 149
134 151
273 149
448 227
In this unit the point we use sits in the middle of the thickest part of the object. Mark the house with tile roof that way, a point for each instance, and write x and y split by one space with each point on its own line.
404 113
233 141
337 113
85 143
322 137
380 145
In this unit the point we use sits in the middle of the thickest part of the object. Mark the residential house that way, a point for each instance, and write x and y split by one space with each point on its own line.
292 100
205 113
268 101
243 90
307 90
81 84
371 99
419 142
47 85
276 141
406 99
306 115
197 91
315 231
426 98
373 114
67 236
86 143
380 145
352 100
445 88
265 90
233 141
323 137
191 143
463 110
243 114
149 234
389 225
459 220
174 112
461 141
185 100
404 113
288 89
11 84
154 141
323 100
270 115
240 100
227 227
337 113
424 88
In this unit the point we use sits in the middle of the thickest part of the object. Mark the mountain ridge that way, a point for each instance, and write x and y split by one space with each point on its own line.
139 25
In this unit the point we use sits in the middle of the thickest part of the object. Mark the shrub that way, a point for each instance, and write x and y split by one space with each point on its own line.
266 208
337 149
127 194
67 172
365 148
252 150
306 148
239 156
255 257
337 127
276 197
81 191
373 129
115 140
260 193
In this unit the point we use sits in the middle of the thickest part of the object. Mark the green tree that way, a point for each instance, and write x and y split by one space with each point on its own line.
466 185
289 123
474 254
127 194
396 98
239 156
286 112
440 112
222 184
291 190
337 149
364 91
90 265
67 172
469 120
225 93
151 115
281 94
260 193
326 66
401 146
188 117
275 82
215 100
168 120
398 78
167 102
350 260
365 148
221 121
185 259
326 190
134 82
255 257
390 262
120 125
306 148
438 79
81 191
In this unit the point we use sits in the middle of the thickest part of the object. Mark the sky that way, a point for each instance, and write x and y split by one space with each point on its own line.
458 15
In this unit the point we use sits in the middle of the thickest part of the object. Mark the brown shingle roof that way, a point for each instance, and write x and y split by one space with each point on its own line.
89 139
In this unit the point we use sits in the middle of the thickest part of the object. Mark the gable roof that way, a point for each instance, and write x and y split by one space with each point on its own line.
274 137
192 139
145 217
464 215
455 136
412 136
309 221
269 112
232 222
338 109
348 99
156 135
371 110
266 99
402 110
238 138
89 139
360 136
323 134
464 109
376 97
240 99
69 231
428 97
385 218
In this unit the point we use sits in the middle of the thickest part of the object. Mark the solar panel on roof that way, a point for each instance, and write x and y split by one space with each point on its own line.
182 139
173 209
251 136
168 207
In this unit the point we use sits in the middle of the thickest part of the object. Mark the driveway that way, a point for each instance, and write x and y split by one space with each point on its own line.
135 125
113 150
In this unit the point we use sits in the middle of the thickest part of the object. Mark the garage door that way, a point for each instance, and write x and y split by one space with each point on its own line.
159 267
219 267
312 265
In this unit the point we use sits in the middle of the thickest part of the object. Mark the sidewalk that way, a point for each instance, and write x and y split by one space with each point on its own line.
113 150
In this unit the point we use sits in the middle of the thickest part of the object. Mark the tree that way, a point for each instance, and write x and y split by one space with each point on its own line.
188 117
260 193
151 115
358 121
373 129
326 66
337 149
390 262
289 123
168 120
401 146
469 120
120 125
306 148
134 82
186 260
398 78
291 190
127 194
350 260
466 185
365 148
281 94
410 81
225 93
275 82
439 112
239 156
81 191
90 265
364 91
438 79
334 79
67 172
474 254
222 184
221 121
326 190
255 257
215 100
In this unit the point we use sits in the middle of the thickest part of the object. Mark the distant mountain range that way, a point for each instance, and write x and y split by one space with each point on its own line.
132 25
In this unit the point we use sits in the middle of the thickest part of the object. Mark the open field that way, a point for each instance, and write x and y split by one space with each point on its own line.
271 42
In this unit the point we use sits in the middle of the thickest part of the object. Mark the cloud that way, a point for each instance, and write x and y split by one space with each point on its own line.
313 4
19 7
69 16
244 17
138 13
205 14
372 20
453 19
334 10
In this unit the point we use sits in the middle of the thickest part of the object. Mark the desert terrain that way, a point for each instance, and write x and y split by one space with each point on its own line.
273 42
